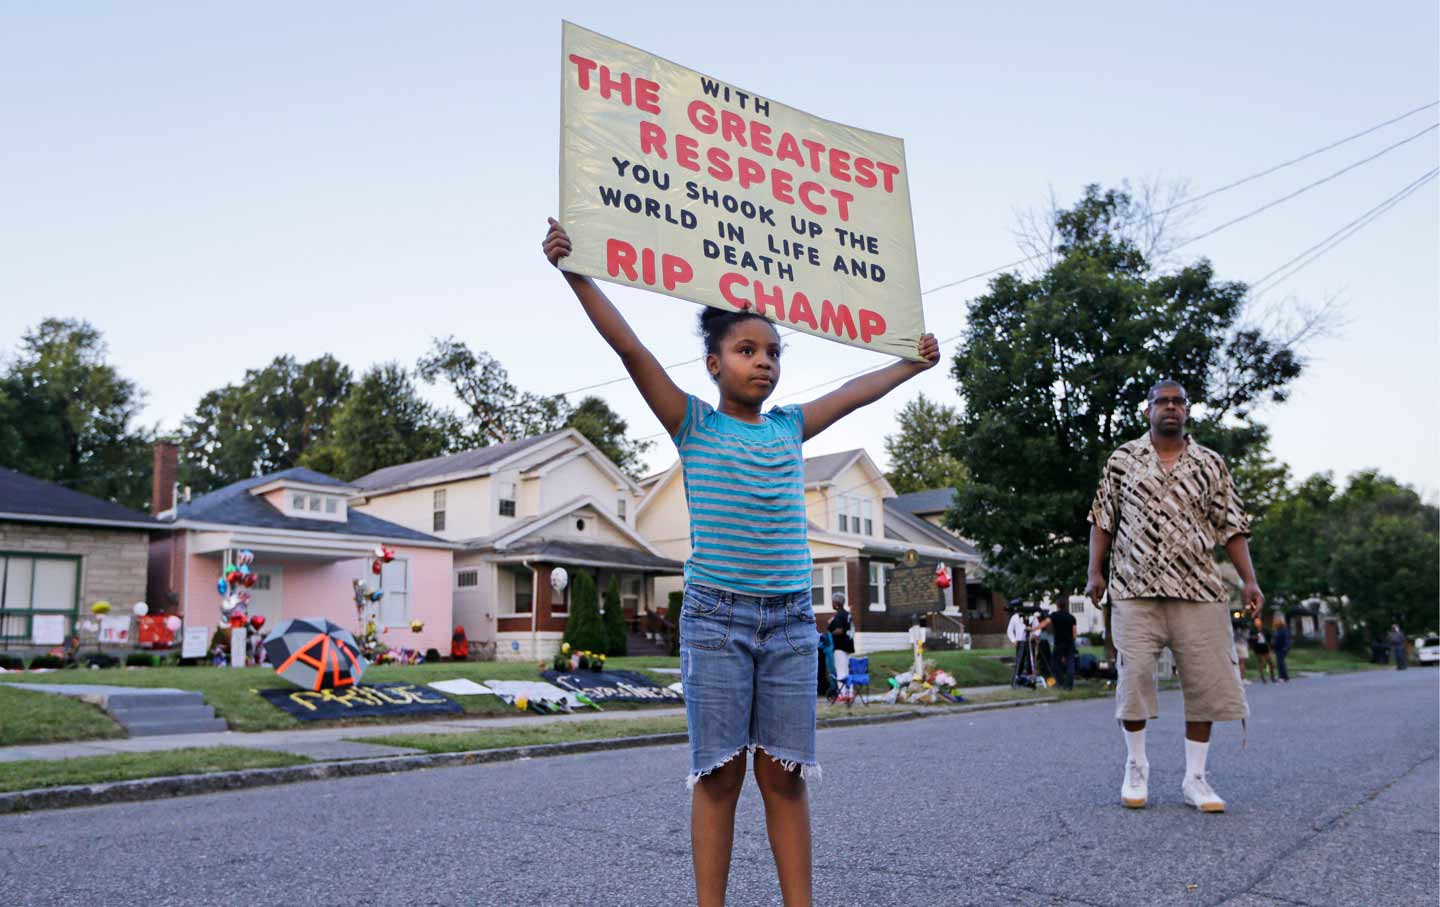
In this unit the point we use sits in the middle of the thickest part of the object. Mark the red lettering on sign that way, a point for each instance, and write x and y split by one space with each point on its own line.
652 139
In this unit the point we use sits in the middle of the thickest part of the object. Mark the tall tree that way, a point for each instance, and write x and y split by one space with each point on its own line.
495 410
263 424
1293 542
617 632
67 415
594 419
921 451
1054 373
383 422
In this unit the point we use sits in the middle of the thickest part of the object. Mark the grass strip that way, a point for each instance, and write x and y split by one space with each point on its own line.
38 773
549 732
28 717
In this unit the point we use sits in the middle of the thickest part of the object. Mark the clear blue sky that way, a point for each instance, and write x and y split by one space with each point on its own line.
213 185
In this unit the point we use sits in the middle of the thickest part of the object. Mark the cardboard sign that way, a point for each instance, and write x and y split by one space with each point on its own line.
195 643
48 629
360 701
115 628
675 182
614 686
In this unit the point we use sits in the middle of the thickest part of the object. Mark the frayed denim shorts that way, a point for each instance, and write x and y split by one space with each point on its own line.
749 668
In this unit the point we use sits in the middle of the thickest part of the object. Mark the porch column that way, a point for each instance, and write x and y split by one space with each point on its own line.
857 589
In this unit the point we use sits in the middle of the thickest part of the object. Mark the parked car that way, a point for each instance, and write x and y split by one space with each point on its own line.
1427 650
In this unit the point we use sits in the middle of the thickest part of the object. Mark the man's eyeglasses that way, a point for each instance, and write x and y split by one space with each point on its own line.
1170 401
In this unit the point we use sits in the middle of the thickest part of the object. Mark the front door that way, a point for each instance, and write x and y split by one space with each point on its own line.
268 594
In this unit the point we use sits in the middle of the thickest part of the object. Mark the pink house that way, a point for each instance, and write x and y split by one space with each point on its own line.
309 546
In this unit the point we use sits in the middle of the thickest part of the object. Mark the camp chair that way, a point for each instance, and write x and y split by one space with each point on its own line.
858 679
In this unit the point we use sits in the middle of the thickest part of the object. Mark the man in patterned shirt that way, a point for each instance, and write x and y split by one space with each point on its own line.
1164 504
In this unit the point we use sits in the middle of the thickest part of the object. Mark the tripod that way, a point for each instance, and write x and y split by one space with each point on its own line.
1027 665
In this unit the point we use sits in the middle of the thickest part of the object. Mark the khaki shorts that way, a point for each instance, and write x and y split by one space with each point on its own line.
1200 635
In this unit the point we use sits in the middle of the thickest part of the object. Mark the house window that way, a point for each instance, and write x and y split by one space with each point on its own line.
877 585
865 516
524 580
620 508
31 586
855 515
825 581
467 579
331 505
262 582
560 601
817 589
507 498
315 503
631 590
297 502
437 506
395 606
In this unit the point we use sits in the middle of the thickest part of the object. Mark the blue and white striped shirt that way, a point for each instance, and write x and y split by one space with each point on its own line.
745 486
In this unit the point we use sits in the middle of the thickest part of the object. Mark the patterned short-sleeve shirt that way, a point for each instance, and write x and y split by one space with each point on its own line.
1164 526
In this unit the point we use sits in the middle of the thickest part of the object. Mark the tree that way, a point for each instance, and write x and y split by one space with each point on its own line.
617 632
383 422
583 629
66 415
264 424
921 452
495 410
1054 372
594 419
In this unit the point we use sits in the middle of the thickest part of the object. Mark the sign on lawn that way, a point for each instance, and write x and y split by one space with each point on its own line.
912 590
679 183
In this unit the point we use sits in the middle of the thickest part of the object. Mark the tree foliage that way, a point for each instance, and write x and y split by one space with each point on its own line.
263 424
495 410
383 422
1054 372
594 419
921 452
68 416
1373 550
584 630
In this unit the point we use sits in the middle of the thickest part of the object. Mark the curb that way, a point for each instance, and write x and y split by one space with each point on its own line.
189 785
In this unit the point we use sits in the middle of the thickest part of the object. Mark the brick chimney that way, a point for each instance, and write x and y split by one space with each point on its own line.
164 476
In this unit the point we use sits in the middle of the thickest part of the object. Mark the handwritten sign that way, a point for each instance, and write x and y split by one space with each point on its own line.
675 182
359 701
912 590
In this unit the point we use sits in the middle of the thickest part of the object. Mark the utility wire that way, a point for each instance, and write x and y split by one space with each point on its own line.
1212 192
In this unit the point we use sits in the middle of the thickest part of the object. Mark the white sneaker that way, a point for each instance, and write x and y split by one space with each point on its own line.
1135 790
1199 794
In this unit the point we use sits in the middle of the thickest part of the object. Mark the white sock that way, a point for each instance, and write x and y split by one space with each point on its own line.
1195 752
1135 746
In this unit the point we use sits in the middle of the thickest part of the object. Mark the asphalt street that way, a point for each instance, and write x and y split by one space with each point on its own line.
1333 802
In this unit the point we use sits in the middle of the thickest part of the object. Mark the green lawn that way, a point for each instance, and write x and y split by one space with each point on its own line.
547 732
1315 658
30 717
39 773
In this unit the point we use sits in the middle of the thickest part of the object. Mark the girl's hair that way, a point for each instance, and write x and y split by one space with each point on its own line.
715 325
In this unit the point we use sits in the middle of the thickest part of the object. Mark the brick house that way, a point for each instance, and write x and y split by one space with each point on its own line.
61 551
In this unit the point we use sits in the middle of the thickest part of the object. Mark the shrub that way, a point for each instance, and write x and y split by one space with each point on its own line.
617 634
432 656
584 631
12 662
47 661
99 660
139 660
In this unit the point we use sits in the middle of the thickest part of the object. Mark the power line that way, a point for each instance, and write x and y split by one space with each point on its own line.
1353 227
1216 191
1307 187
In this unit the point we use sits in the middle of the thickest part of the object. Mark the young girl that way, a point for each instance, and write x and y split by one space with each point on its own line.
747 631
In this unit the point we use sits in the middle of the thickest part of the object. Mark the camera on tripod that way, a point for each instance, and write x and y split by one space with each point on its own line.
1023 608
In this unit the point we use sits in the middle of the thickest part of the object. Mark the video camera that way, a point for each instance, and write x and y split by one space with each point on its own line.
1238 618
1019 606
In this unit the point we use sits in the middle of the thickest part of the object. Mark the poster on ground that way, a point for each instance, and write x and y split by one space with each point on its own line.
677 182
613 686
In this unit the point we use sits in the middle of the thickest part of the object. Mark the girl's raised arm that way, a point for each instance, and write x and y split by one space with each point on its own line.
823 412
665 399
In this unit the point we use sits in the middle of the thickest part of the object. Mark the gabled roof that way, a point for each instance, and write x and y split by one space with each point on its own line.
567 551
827 467
932 500
24 497
463 464
234 505
516 533
908 527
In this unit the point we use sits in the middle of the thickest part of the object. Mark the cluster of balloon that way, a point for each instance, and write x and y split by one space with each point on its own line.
140 609
382 556
365 596
236 578
942 576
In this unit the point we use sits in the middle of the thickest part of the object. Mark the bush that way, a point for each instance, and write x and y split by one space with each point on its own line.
99 660
617 634
12 662
432 656
1093 639
47 661
139 660
584 631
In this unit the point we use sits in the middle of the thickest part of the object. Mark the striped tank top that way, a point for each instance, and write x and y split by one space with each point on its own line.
745 487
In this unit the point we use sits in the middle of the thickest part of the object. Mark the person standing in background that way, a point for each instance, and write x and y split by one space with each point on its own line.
1280 643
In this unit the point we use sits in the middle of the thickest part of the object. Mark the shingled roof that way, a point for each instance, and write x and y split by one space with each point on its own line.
23 496
436 468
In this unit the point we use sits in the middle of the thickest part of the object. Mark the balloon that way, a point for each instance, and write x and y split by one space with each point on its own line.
90 626
100 607
377 595
229 568
140 609
244 569
235 577
257 621
374 566
173 624
246 557
379 551
222 587
244 598
417 626
559 579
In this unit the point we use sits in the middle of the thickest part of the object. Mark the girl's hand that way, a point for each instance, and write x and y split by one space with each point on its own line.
557 242
929 351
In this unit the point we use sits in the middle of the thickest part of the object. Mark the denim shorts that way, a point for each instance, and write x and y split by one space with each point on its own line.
749 668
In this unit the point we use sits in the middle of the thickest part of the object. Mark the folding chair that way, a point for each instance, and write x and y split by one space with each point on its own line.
858 679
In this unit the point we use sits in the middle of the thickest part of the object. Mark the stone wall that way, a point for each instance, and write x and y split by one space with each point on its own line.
113 561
